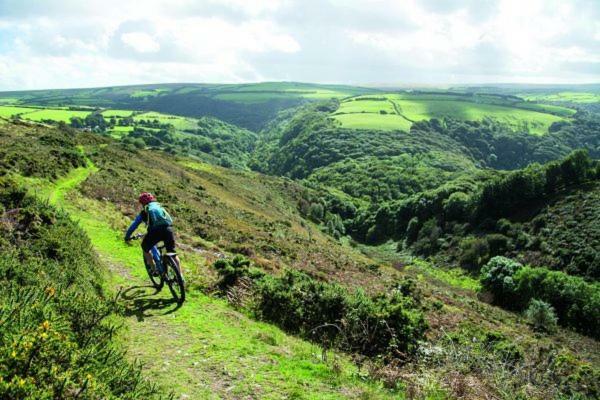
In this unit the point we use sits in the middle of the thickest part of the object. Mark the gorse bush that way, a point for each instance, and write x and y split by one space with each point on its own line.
55 340
389 324
576 302
541 316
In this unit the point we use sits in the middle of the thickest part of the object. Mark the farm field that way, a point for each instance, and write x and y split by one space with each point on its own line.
367 114
262 92
571 97
41 114
9 111
56 115
117 113
179 123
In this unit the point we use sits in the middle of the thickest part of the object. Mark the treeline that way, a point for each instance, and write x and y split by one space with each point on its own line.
465 206
494 145
575 301
197 104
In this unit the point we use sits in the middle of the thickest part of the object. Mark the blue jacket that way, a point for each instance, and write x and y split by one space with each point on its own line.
134 225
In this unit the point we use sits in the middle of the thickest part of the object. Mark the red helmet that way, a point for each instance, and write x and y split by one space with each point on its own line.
146 198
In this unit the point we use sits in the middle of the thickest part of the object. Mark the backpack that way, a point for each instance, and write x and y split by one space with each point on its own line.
156 215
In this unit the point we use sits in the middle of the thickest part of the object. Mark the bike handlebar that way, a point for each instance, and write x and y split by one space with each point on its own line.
137 236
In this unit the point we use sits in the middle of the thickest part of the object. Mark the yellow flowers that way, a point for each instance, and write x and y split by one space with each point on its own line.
50 291
88 377
45 325
13 354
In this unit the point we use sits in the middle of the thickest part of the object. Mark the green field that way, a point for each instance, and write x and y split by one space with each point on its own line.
366 114
374 121
41 114
9 111
56 115
180 123
569 97
8 100
117 113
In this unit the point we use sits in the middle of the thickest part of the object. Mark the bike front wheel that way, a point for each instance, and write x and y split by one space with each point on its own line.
174 279
157 279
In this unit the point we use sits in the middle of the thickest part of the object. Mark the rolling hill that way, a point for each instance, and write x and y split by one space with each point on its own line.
272 221
352 244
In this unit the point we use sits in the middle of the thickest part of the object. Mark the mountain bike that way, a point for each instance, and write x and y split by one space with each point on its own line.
167 272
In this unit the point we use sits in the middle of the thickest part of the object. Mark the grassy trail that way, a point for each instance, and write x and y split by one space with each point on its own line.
204 349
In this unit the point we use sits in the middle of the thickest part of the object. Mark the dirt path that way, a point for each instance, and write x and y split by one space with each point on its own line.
204 349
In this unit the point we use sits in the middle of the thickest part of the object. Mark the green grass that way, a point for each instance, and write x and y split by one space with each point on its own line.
180 123
208 349
547 108
119 131
387 122
569 97
117 113
454 277
9 111
8 100
148 93
367 106
365 114
55 115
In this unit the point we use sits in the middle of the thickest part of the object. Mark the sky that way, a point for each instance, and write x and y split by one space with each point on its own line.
75 43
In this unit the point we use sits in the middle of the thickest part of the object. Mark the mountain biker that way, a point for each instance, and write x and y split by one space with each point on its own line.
159 228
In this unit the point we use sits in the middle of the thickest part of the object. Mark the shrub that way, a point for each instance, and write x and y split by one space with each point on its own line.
427 240
412 230
497 277
387 324
575 301
541 316
474 252
231 270
498 243
56 340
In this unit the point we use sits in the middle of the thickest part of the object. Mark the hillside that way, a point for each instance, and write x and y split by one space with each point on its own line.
205 138
400 111
274 222
247 105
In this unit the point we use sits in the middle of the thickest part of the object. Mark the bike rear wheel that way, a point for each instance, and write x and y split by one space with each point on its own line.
174 279
157 280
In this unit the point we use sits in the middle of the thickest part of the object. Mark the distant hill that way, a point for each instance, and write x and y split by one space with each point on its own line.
246 105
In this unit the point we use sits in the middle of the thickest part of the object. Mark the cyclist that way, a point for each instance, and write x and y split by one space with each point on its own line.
160 228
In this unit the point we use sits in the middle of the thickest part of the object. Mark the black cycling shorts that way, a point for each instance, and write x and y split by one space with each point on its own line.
159 234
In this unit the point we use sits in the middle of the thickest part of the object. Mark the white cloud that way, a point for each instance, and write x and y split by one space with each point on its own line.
71 43
140 42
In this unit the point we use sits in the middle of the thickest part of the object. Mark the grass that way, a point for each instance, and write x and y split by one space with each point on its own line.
117 113
180 123
38 113
9 111
205 349
8 100
387 122
404 108
568 97
148 93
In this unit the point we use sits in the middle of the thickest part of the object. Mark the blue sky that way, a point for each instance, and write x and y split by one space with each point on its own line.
72 43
